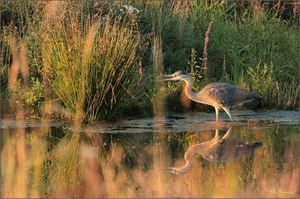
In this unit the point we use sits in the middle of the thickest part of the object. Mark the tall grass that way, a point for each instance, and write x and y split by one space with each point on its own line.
242 37
94 60
114 74
87 62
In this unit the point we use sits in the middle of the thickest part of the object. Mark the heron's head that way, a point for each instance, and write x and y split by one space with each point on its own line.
178 75
176 171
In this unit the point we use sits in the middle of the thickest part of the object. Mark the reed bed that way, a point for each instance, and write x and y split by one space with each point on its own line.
93 59
99 60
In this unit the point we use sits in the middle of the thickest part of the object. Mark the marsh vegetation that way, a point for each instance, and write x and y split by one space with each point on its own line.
97 60
78 63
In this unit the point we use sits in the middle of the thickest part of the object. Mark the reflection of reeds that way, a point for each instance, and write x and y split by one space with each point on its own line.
91 177
65 163
38 157
158 141
14 164
77 168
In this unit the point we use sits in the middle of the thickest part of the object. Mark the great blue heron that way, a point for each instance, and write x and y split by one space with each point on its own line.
220 95
219 149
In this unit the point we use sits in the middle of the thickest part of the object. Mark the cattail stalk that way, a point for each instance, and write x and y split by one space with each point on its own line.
205 47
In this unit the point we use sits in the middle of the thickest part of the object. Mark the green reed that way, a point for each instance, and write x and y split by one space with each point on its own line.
94 65
94 59
241 37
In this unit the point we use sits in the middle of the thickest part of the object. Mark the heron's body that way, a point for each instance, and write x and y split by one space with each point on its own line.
220 95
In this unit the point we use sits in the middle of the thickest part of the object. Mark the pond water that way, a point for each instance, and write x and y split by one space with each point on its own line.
179 155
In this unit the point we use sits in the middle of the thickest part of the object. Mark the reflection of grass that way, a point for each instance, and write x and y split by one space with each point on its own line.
97 166
66 164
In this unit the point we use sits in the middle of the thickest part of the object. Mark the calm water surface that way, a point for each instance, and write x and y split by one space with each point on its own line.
180 155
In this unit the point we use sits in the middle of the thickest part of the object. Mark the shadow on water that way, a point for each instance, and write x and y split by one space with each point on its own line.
117 159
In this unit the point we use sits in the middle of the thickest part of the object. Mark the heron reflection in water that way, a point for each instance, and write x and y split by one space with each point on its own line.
219 149
220 95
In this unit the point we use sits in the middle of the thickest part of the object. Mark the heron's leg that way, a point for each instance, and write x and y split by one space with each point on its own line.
217 114
226 109
227 134
217 133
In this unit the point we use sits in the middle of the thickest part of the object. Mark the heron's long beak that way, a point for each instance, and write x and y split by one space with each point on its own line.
165 77
176 171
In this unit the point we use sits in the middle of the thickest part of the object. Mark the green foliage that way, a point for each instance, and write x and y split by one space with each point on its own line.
241 36
194 66
113 72
31 96
96 58
260 78
35 94
90 64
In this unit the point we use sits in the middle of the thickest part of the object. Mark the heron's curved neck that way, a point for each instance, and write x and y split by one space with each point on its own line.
188 155
188 90
188 163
